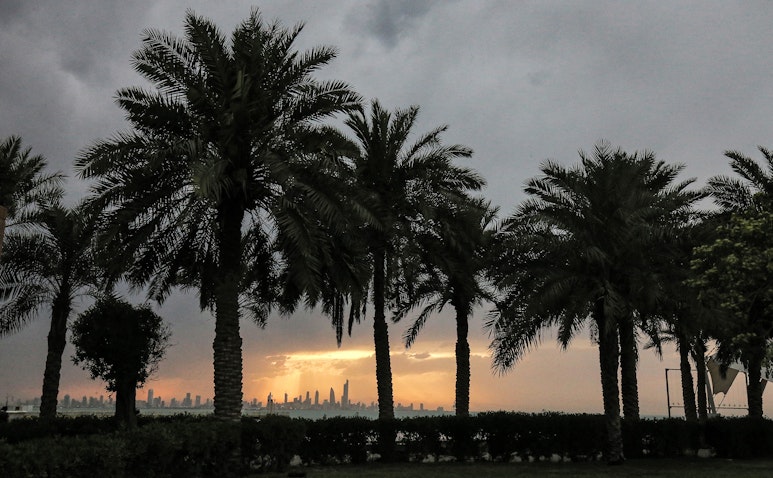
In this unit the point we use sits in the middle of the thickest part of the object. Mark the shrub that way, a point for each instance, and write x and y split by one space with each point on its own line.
270 442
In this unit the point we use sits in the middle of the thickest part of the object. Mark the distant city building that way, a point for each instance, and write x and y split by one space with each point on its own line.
316 398
150 397
345 396
332 400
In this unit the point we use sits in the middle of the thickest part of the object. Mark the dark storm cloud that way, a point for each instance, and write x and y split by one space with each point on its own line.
12 10
388 20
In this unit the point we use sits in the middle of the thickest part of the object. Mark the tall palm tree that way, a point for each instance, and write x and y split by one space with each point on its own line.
395 186
578 249
23 181
48 266
210 188
452 249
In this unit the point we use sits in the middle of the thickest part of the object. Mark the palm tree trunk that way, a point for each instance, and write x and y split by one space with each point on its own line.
381 339
125 403
754 388
3 216
227 345
628 359
57 339
688 393
462 362
608 360
699 355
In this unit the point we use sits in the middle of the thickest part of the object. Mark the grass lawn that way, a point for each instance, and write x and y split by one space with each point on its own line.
682 468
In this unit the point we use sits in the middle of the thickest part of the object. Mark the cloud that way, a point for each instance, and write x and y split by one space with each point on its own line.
390 20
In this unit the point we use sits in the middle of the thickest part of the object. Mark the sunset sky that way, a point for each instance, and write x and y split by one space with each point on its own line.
517 81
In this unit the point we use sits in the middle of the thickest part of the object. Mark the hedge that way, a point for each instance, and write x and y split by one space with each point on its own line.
185 445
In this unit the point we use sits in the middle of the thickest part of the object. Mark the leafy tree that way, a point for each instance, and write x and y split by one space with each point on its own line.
395 186
217 184
746 202
733 275
579 248
122 344
22 181
452 252
47 266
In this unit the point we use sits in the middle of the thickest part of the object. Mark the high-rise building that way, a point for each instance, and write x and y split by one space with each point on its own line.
345 396
150 398
332 397
198 401
316 397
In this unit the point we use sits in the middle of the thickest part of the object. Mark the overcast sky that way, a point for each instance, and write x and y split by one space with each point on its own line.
518 82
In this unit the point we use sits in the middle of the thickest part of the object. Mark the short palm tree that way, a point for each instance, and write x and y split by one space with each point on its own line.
23 181
395 184
578 249
451 252
48 265
216 185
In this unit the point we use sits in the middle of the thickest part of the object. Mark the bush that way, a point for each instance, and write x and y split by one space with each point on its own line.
338 440
185 445
270 442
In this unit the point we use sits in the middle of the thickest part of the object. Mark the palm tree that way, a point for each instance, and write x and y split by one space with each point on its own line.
452 248
48 266
578 249
396 184
210 188
753 190
22 181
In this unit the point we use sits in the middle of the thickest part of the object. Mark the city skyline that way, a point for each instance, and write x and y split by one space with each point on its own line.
189 401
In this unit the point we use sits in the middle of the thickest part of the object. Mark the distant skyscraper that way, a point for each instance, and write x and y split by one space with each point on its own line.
316 397
332 397
345 396
198 401
150 397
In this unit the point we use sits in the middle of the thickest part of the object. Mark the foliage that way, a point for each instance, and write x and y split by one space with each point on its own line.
393 186
272 441
48 265
734 269
115 340
24 184
753 190
224 182
185 445
584 248
586 232
337 440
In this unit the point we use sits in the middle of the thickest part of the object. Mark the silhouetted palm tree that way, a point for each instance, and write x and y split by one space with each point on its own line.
754 188
48 265
23 181
211 188
451 252
579 248
395 184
